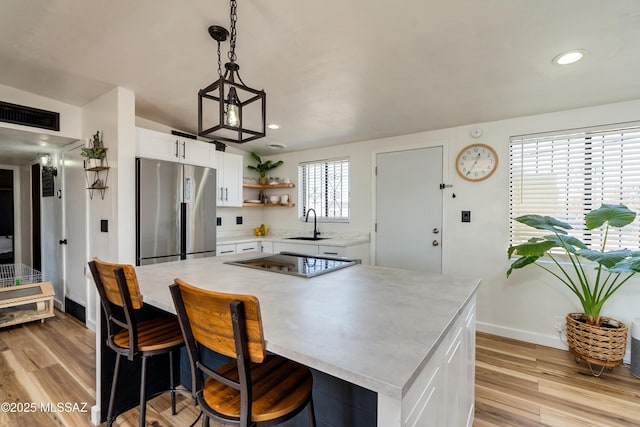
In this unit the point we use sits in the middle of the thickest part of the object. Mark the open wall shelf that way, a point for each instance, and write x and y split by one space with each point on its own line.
97 174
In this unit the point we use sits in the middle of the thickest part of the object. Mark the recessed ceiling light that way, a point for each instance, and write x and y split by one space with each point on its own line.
569 57
276 146
273 126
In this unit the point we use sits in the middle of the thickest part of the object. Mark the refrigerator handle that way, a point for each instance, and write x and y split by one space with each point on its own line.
183 230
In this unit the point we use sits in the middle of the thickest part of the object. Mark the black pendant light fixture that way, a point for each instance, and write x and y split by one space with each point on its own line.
234 111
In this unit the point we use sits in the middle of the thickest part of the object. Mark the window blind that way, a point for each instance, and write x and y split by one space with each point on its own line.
324 187
567 175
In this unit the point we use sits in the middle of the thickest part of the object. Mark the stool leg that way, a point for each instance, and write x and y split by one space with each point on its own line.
312 415
143 392
112 396
171 383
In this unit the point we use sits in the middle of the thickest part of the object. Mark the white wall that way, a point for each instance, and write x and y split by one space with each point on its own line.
114 115
527 305
70 116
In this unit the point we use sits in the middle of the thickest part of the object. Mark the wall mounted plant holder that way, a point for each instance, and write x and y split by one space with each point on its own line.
96 171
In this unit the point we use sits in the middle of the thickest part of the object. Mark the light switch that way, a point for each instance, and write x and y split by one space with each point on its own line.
466 216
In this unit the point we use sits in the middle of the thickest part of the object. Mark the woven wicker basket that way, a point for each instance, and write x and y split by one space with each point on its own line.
597 344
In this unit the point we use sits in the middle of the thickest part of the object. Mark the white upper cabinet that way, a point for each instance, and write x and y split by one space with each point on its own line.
229 178
164 146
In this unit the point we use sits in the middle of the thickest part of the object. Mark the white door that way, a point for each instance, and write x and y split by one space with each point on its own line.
75 250
409 209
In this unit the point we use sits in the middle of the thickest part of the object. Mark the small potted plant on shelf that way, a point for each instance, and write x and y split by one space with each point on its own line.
96 140
95 156
263 168
593 275
94 151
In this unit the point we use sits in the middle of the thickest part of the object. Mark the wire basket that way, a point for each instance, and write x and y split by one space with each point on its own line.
18 274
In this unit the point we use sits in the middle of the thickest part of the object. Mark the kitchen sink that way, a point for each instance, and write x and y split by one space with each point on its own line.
307 238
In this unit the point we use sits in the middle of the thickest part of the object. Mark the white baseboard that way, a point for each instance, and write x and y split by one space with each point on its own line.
95 415
553 341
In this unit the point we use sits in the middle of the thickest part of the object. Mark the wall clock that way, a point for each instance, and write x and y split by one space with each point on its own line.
476 162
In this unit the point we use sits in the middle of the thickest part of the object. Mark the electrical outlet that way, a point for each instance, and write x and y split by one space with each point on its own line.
559 324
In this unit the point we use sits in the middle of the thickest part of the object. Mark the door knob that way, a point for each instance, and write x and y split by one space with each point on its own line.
435 243
435 231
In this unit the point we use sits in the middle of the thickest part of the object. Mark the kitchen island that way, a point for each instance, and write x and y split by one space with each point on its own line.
408 337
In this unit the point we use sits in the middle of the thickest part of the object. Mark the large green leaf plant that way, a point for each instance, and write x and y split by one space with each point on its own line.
612 269
263 168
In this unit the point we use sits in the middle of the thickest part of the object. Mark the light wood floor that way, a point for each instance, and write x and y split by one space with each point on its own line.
517 383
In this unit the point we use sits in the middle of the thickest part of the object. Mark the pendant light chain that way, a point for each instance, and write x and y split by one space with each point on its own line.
232 41
219 61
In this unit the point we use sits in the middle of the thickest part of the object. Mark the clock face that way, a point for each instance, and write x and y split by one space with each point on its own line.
476 162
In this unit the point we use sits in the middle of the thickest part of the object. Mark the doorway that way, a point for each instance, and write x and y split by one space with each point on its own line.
7 226
408 209
36 242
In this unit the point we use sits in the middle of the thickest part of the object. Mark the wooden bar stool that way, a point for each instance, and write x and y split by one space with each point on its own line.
118 287
255 389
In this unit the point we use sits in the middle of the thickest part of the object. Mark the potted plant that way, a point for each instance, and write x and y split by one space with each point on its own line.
263 168
96 140
593 275
94 151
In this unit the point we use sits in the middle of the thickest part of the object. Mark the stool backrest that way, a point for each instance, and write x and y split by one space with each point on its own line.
210 320
106 272
117 284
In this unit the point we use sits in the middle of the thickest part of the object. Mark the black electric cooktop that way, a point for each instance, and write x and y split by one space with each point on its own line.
296 264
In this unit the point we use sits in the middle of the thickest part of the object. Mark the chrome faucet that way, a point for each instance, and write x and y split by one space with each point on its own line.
316 233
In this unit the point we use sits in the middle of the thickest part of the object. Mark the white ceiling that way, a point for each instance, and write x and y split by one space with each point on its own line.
334 71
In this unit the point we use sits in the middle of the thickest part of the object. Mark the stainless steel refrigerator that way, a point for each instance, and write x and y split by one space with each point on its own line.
175 211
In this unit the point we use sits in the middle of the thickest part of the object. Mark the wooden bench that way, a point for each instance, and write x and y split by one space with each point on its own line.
26 303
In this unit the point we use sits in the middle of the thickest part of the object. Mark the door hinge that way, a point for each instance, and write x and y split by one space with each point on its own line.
375 227
376 172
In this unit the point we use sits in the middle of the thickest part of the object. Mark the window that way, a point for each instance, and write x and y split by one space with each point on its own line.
567 175
324 187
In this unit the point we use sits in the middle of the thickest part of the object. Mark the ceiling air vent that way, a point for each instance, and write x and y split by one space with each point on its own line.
28 116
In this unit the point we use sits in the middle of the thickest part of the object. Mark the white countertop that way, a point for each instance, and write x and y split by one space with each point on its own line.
330 241
372 326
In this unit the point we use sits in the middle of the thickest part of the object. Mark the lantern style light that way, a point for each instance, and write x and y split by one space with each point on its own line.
234 111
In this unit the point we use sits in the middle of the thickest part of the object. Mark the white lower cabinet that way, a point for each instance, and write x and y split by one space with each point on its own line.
443 393
266 246
300 248
360 252
237 248
223 250
247 247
